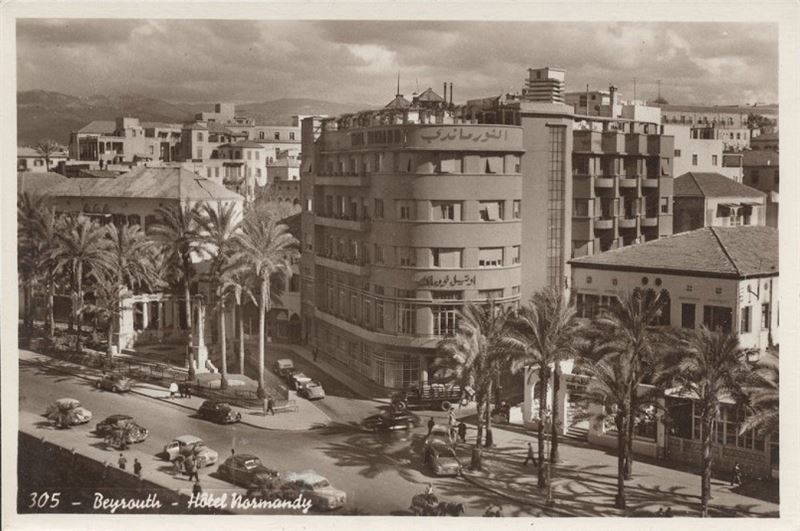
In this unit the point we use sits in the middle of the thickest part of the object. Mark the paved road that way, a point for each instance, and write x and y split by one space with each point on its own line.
379 473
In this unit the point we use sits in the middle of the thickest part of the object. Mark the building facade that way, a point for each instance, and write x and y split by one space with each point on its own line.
701 154
30 160
713 200
761 171
408 214
125 140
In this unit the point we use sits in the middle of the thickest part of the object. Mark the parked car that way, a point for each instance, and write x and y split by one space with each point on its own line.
440 434
389 421
441 460
296 380
318 489
311 389
218 411
248 471
114 382
187 445
133 432
284 368
66 412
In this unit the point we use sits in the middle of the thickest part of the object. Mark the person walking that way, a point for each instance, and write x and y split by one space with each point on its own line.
188 388
137 468
197 490
173 389
316 354
462 431
182 390
431 424
270 405
122 462
530 457
191 468
736 475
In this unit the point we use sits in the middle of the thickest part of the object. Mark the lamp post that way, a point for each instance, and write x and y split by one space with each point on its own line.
547 443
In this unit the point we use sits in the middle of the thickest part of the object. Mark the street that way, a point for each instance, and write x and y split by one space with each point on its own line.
379 472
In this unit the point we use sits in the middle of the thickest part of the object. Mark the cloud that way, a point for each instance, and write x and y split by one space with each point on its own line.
358 61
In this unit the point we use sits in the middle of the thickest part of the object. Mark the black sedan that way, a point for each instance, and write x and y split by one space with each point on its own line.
390 421
218 411
248 471
124 425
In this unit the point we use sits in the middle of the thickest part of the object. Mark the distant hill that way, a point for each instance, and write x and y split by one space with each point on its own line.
43 114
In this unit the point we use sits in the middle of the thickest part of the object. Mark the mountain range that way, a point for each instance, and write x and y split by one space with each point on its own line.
44 114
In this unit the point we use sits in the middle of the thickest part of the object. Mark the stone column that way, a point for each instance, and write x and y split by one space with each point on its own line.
527 404
145 315
123 327
661 430
199 349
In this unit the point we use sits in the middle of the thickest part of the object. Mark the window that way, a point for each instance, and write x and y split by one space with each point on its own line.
490 210
515 254
199 153
713 160
406 313
718 318
664 202
277 136
515 290
744 324
687 315
199 137
379 307
38 162
249 154
490 257
406 256
694 159
664 318
490 294
379 209
308 204
261 135
258 155
766 315
677 153
405 210
444 314
378 254
446 210
516 209
291 136
754 176
450 258
586 305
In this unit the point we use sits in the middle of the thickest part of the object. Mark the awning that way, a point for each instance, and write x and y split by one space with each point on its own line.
751 203
730 205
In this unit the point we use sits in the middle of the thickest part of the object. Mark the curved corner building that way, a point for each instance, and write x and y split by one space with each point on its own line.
408 213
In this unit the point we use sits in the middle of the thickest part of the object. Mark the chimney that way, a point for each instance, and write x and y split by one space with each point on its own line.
444 95
612 91
451 93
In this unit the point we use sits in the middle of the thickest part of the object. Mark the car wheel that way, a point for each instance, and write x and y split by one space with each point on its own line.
446 406
115 389
97 384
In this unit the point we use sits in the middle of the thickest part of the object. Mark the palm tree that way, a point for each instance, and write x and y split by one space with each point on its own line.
133 256
218 226
542 335
470 356
45 148
761 388
83 249
107 292
632 322
30 252
267 248
177 232
712 367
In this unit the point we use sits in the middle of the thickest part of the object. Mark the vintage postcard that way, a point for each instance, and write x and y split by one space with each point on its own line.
294 266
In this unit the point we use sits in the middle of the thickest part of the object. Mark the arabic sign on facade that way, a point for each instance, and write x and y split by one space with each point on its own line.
447 281
466 137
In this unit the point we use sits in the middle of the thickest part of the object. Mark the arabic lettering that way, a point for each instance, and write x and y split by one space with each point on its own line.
428 281
459 133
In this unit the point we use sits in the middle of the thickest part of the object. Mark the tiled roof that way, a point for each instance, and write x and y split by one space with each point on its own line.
160 125
429 95
195 126
694 184
729 252
104 127
38 182
31 152
143 182
760 158
399 102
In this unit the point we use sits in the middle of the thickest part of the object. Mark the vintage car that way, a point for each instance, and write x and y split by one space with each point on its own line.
310 389
114 382
218 411
248 471
187 445
390 421
440 434
318 489
441 460
296 380
284 368
66 412
133 432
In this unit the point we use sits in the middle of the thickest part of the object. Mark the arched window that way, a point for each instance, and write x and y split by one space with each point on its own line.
666 309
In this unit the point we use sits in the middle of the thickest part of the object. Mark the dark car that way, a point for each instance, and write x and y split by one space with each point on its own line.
441 460
394 420
247 471
114 382
119 423
218 411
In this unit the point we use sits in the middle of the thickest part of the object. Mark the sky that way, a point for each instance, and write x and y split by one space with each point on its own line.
358 61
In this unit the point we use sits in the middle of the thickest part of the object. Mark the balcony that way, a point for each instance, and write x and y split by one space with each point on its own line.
613 142
627 223
342 180
650 221
587 141
635 144
650 182
604 223
345 264
360 224
628 182
660 145
603 182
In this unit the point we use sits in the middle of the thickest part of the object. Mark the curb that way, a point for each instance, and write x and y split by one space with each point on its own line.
474 480
165 400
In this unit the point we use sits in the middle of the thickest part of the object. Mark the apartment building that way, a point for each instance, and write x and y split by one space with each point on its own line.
29 159
713 200
702 154
409 212
761 171
765 142
125 140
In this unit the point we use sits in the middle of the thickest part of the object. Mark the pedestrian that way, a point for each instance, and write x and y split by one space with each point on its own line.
233 452
668 512
197 490
270 405
736 475
316 354
489 438
181 390
530 457
137 468
191 468
462 431
122 462
173 388
431 424
265 408
660 513
188 388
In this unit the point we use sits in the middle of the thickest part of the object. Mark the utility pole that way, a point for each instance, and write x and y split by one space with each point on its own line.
634 91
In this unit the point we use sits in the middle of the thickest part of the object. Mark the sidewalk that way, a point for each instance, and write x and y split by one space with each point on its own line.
584 483
307 417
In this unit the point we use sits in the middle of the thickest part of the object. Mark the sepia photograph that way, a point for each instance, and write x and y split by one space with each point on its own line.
326 266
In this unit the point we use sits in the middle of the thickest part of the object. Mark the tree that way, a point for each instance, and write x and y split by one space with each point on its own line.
83 250
712 367
176 230
470 356
219 225
761 387
267 248
631 325
132 257
30 248
542 335
107 304
46 148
